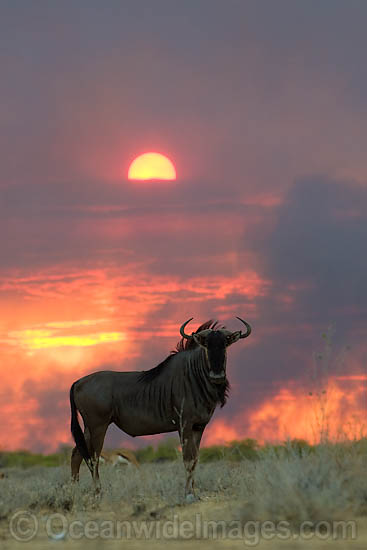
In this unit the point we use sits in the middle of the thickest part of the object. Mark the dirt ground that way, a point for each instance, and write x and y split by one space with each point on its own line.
168 530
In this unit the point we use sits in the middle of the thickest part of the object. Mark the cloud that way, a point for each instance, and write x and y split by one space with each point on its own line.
314 253
178 230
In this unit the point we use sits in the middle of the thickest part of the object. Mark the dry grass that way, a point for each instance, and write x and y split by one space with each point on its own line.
124 488
326 483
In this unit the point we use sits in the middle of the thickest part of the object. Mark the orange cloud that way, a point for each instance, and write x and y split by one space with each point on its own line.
336 412
58 326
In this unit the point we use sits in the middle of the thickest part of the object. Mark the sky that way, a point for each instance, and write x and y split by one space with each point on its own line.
261 106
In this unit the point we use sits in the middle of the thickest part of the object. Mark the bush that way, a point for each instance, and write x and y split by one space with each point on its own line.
25 459
323 482
166 450
214 452
246 449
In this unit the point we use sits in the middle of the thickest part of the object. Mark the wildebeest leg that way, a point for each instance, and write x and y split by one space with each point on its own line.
190 451
96 444
76 458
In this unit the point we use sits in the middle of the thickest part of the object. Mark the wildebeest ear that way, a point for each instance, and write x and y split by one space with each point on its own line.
200 339
232 338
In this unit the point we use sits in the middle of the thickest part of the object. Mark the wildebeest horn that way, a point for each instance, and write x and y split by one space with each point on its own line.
182 331
247 326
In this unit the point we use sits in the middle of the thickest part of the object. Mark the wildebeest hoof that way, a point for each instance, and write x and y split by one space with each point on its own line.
190 498
58 536
98 492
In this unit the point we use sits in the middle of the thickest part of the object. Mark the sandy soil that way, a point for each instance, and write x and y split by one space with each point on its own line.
170 518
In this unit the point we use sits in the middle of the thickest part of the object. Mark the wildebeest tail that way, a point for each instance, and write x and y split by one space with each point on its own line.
76 430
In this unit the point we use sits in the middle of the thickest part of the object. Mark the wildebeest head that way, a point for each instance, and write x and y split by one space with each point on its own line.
215 343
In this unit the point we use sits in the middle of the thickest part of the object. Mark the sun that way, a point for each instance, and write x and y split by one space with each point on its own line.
151 166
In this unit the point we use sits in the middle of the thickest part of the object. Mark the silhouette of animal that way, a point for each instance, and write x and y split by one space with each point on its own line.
180 394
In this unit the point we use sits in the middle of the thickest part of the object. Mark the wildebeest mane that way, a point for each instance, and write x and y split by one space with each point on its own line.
223 391
183 345
151 374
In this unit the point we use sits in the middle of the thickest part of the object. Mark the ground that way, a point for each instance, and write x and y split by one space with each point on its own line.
263 503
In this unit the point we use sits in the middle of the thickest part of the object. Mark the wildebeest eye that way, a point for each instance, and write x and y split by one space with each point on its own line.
203 341
200 339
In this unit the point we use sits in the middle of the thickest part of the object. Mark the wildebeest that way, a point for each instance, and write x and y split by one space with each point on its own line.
180 394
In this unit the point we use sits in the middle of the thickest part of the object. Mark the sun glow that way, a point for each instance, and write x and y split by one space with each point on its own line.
45 339
151 166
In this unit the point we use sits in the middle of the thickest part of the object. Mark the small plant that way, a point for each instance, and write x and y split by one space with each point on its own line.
328 422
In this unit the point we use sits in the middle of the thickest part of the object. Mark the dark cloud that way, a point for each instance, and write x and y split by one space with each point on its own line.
314 252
